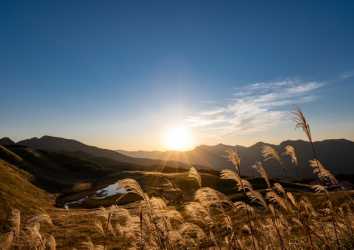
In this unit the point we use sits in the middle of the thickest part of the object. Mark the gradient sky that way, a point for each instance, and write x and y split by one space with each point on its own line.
117 74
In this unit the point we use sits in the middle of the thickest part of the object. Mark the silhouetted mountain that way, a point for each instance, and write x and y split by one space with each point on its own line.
6 141
57 144
56 162
336 154
58 171
61 145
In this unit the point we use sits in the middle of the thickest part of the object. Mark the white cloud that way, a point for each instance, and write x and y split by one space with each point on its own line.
255 107
347 75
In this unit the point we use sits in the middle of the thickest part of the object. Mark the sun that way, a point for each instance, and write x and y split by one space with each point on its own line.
178 138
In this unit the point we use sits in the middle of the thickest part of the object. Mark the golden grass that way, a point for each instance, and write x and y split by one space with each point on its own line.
291 153
273 218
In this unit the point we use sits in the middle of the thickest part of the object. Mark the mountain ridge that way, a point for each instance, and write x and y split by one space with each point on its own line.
137 153
59 144
6 141
336 154
214 156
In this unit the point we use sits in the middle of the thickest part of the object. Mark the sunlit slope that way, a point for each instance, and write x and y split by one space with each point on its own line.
16 191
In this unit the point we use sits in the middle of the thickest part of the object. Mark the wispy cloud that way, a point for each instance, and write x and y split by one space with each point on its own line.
347 75
255 107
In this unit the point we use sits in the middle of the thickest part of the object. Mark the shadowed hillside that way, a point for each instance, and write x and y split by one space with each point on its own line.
5 141
59 171
62 145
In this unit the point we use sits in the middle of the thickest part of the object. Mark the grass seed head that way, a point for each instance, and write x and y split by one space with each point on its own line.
276 199
193 173
6 240
234 158
269 152
322 173
15 221
291 153
262 172
301 122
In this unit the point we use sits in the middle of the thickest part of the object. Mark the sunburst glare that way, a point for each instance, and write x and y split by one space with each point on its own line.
178 138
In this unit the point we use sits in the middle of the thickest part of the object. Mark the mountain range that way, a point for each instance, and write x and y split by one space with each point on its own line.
62 145
54 165
335 154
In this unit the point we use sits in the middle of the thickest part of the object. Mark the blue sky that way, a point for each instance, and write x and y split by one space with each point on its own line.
117 73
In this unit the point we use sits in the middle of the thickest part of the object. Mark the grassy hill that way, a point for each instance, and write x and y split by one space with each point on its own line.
63 145
17 191
176 209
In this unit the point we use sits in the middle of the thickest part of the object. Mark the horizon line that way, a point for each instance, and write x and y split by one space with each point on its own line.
162 150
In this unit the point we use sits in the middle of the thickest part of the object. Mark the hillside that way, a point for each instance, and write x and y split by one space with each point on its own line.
16 190
58 171
336 154
84 185
62 145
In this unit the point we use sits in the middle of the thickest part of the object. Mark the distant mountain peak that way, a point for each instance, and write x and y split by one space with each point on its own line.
213 156
5 141
259 144
55 138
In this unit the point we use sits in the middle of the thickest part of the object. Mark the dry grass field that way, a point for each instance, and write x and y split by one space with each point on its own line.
275 216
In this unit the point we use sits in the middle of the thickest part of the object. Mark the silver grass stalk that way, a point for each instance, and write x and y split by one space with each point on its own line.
240 206
322 173
235 159
256 196
15 221
195 212
292 199
41 218
7 240
262 172
51 243
177 240
192 231
291 153
158 203
88 245
242 184
269 152
319 189
275 198
301 122
34 234
98 225
207 196
276 226
193 173
132 186
279 188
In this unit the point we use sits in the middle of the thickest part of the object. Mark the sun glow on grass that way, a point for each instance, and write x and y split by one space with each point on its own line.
178 138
